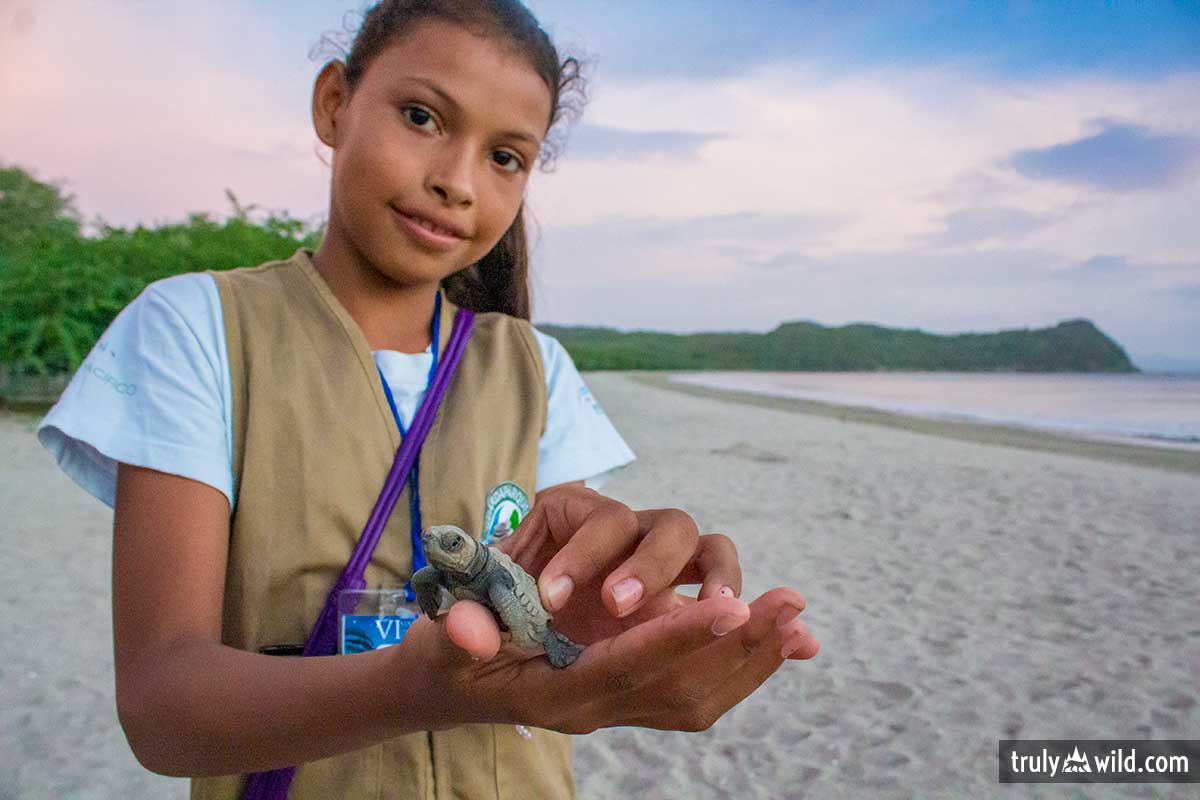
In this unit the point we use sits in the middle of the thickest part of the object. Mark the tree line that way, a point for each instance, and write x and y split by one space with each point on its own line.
60 287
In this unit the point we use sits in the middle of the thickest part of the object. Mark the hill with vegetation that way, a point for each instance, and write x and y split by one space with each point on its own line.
1071 346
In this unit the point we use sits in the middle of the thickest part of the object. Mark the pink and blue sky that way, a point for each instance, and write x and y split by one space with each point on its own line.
944 166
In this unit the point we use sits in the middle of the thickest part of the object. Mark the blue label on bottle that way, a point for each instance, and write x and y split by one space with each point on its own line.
360 633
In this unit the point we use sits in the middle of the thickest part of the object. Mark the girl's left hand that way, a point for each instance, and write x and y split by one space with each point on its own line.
603 568
588 550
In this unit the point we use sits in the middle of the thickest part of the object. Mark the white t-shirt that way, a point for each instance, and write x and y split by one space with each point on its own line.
155 392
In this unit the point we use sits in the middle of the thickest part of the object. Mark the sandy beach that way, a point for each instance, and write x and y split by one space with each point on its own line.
965 586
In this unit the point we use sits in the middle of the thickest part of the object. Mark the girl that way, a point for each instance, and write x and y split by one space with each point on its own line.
259 415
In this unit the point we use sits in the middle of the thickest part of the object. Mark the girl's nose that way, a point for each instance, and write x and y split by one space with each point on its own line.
450 177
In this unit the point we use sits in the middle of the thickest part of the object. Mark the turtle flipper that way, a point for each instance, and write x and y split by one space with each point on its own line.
509 612
428 586
561 651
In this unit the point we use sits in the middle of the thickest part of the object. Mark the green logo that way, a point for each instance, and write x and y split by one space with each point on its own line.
507 504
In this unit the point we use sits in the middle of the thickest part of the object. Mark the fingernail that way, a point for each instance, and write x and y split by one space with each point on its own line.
726 623
786 615
725 592
794 638
558 591
793 628
626 594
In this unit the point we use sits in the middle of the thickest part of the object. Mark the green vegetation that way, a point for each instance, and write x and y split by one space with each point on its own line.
1071 346
59 288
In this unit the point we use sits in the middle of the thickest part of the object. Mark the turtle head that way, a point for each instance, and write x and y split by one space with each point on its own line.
448 547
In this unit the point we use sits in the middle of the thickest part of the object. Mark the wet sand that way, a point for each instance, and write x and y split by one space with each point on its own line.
963 591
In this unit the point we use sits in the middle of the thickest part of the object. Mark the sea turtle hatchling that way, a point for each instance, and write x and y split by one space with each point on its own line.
471 571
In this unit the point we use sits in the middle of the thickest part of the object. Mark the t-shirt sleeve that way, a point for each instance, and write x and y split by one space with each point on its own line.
153 392
580 442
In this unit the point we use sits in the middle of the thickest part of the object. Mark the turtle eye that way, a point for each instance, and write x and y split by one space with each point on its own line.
452 543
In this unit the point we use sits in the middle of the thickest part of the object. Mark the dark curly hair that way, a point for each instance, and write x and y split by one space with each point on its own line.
500 280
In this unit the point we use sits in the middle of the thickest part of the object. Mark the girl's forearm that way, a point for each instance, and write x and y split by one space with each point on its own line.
207 709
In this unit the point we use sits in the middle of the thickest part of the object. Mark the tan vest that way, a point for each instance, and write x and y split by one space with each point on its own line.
313 439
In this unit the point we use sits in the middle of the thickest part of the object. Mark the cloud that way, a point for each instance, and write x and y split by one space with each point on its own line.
787 259
1105 264
600 142
741 226
705 249
719 38
973 225
1122 157
1188 292
901 160
18 19
738 227
150 118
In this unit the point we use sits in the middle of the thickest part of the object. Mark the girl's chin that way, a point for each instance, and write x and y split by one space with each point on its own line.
403 269
397 259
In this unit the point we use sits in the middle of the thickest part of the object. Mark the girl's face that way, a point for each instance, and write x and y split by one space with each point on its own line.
444 127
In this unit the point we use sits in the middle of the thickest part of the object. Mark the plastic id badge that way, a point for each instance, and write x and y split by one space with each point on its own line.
371 619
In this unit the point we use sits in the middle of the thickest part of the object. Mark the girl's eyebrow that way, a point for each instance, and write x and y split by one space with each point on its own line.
433 87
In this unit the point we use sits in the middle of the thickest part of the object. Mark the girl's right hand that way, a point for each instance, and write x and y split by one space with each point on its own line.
672 672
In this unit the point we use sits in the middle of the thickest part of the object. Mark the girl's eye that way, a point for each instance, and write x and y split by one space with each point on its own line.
508 161
418 116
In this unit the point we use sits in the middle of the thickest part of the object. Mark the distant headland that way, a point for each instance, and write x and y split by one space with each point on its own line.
1075 345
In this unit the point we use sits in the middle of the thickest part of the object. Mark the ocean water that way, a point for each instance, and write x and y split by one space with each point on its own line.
1162 410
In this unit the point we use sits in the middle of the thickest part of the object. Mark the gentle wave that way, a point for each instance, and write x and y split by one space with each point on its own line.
1158 410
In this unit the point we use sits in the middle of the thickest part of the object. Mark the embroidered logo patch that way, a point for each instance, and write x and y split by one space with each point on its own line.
506 505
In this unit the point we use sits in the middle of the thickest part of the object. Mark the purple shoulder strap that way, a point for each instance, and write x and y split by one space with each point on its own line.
322 641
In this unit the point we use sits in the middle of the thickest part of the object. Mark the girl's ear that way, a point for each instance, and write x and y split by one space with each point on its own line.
330 94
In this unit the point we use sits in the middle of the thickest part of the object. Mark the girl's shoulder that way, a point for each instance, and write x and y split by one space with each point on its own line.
153 392
183 315
580 441
556 361
190 297
553 355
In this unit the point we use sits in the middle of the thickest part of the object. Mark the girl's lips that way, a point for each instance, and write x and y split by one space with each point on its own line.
440 239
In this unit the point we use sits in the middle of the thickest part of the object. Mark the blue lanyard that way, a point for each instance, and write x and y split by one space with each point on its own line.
419 560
